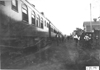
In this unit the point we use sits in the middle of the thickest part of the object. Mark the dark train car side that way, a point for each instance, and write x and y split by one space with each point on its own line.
21 22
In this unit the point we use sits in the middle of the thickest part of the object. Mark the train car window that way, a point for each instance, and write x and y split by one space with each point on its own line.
14 5
45 23
2 2
33 18
41 22
54 31
24 13
38 20
51 29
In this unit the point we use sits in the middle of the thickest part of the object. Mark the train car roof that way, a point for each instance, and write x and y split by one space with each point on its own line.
32 6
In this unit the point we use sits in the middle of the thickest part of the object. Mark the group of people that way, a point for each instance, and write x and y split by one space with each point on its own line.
90 39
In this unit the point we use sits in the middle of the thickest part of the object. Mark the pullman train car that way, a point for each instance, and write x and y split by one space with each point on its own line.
21 23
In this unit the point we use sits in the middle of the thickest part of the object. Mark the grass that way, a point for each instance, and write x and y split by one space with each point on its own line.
59 56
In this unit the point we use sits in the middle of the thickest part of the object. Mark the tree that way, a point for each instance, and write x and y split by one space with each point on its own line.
78 32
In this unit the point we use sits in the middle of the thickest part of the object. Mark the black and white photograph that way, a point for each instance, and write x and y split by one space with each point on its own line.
49 34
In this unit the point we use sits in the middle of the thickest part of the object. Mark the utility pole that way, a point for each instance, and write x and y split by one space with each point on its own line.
90 17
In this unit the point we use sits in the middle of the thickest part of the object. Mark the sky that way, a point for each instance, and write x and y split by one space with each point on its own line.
67 15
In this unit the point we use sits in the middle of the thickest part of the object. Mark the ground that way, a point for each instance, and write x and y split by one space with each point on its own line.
63 56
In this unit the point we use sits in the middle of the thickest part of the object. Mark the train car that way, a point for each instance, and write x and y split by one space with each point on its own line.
21 22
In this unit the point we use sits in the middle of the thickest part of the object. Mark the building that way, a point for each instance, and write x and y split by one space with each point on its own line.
90 26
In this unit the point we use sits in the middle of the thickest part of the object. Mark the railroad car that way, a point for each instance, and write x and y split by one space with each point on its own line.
21 24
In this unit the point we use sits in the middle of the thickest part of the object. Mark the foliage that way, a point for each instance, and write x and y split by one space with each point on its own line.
77 32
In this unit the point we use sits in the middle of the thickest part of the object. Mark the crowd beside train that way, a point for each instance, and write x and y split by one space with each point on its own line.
87 39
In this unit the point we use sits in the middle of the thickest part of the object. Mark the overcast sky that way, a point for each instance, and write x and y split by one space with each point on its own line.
66 15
